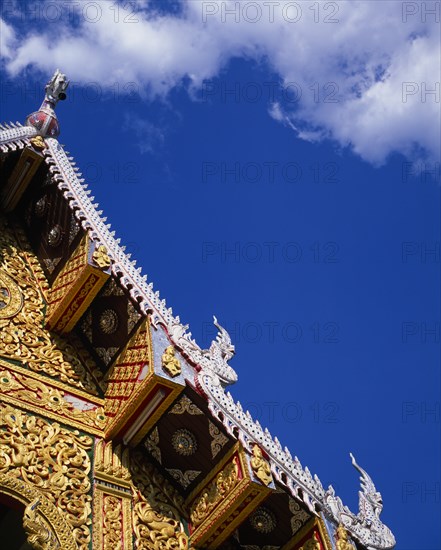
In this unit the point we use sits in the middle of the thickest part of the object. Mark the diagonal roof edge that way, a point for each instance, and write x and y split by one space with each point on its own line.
213 370
14 136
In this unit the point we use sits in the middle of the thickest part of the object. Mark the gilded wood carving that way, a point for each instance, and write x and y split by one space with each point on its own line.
23 337
260 466
157 510
342 539
39 535
19 388
311 544
215 492
170 363
46 514
53 460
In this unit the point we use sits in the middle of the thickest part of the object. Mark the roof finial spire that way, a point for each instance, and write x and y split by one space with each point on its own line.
56 89
45 120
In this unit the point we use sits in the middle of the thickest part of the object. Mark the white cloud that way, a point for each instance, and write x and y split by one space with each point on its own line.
350 60
7 40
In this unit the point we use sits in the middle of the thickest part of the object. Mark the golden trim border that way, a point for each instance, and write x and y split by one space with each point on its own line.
126 533
97 517
39 409
313 522
14 191
245 488
129 406
260 494
236 448
4 362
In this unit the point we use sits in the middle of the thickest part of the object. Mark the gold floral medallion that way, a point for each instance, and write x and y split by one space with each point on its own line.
11 299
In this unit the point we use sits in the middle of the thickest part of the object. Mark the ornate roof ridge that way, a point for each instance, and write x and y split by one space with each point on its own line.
77 193
365 526
212 364
14 135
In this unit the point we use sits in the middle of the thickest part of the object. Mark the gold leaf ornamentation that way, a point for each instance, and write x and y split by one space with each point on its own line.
23 337
38 143
29 391
299 516
112 289
342 539
184 478
152 445
8 382
52 459
215 492
112 522
311 544
260 466
106 354
26 493
133 317
51 263
11 299
38 534
101 258
112 501
185 405
170 363
219 439
157 510
111 462
184 442
263 520
123 391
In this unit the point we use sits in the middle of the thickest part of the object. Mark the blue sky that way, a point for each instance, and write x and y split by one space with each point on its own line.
275 173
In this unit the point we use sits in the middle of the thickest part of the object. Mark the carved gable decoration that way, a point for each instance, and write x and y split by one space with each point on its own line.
23 337
275 523
186 442
26 443
77 284
108 324
50 224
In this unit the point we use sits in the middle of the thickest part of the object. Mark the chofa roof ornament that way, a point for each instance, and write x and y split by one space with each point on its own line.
370 503
219 353
214 359
366 525
45 120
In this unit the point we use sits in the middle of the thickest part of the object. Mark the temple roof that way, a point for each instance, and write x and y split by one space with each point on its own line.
211 369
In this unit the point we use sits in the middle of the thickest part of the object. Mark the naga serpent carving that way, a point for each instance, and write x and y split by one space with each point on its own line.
366 525
39 536
215 358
